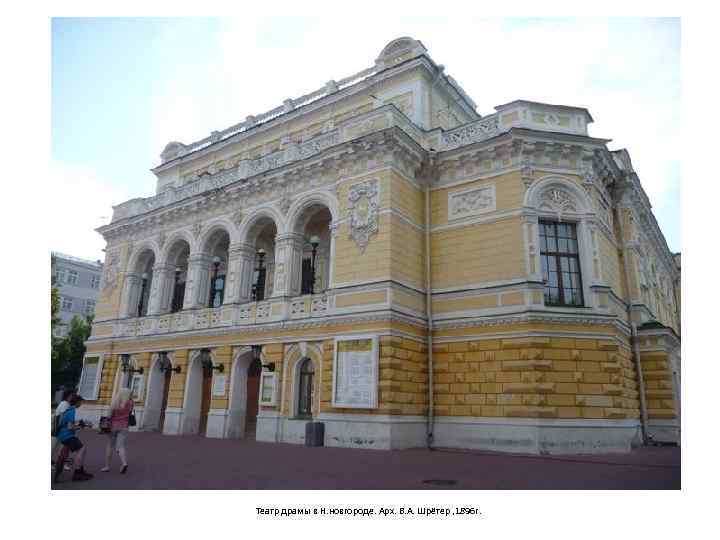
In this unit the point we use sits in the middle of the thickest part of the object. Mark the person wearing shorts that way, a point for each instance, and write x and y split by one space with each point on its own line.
67 434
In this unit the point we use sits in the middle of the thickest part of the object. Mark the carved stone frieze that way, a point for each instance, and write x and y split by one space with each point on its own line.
471 202
477 131
363 206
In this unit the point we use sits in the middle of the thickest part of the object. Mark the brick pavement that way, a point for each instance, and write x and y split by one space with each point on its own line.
168 462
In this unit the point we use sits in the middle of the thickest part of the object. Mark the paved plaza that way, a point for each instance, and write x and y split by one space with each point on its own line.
190 462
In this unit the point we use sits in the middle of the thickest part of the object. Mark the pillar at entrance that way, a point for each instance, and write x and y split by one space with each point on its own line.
288 264
130 295
174 409
240 273
161 289
197 290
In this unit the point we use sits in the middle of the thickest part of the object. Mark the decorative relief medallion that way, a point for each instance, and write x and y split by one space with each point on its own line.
558 201
471 202
363 205
197 229
110 276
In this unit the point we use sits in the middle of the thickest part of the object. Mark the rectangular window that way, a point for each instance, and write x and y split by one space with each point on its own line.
89 307
90 377
67 303
72 277
95 281
61 276
560 262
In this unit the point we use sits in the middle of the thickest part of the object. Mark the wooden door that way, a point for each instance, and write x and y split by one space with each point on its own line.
253 394
205 403
163 406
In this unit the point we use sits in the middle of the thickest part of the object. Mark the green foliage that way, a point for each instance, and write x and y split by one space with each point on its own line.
68 353
54 305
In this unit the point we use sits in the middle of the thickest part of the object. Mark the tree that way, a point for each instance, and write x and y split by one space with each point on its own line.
69 353
54 307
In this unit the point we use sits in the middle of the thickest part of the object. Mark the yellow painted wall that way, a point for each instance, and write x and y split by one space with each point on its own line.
535 378
478 253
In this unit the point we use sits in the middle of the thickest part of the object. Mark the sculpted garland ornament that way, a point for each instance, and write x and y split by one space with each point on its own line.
363 204
558 201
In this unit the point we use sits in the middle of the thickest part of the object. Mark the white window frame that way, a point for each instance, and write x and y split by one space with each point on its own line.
95 281
60 275
373 404
88 303
72 277
68 300
100 359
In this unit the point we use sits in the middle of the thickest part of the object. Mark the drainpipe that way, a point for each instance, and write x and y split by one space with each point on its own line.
633 336
428 302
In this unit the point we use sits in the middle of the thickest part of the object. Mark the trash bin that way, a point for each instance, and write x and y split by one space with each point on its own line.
314 434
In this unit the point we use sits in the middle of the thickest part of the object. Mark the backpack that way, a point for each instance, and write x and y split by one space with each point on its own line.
58 422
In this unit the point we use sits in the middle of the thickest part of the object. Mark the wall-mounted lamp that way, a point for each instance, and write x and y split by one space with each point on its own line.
126 367
257 355
207 362
165 365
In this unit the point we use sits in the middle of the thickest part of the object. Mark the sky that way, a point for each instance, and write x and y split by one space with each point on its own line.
123 88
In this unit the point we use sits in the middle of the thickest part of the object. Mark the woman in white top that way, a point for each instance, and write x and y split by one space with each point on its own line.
121 408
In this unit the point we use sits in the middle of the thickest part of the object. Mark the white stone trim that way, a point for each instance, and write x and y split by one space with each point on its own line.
537 436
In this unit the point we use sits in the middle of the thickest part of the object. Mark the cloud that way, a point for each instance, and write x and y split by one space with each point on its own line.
79 202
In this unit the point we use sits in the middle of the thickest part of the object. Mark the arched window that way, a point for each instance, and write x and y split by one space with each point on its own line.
314 225
563 245
178 260
560 261
305 388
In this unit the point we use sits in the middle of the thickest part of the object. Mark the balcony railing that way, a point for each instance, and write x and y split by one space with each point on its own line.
380 118
266 311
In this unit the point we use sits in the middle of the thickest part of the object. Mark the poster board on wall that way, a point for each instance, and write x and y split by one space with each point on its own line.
355 372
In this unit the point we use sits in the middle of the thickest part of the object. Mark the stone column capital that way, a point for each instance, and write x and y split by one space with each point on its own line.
241 249
199 258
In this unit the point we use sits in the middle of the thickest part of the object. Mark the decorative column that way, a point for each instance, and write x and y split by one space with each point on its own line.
241 258
334 230
130 295
532 250
288 264
161 289
198 281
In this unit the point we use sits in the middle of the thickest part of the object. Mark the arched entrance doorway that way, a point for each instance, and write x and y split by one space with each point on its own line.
196 404
244 395
305 389
157 393
253 394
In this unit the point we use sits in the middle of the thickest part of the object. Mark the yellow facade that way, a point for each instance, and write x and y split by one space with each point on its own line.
353 172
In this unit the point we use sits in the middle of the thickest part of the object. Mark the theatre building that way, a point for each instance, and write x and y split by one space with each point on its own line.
378 257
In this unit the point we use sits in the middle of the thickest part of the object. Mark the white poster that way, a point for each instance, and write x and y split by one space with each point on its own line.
355 373
218 385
